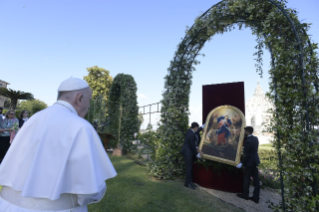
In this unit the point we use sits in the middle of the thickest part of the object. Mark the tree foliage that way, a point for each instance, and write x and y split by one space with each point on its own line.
99 80
7 103
126 122
140 119
97 112
149 140
14 96
293 88
32 106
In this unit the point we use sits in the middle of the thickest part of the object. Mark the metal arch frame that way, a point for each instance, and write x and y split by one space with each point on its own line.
315 188
301 62
150 109
297 38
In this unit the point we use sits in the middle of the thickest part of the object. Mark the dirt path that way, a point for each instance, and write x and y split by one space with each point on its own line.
249 206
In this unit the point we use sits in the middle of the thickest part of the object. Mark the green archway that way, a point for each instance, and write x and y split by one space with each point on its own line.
293 87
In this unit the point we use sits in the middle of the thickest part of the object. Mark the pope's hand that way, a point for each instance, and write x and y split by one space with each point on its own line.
239 165
198 155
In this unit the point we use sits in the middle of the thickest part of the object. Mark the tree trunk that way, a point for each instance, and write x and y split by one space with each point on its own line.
120 119
13 104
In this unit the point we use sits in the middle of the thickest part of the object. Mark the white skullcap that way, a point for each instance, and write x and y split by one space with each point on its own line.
73 84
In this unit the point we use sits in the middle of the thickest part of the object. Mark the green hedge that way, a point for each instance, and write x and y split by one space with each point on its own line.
268 168
268 157
123 94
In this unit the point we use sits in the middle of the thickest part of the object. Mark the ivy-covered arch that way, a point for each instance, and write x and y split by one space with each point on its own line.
293 87
123 110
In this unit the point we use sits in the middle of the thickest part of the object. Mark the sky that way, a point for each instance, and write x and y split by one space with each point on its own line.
43 43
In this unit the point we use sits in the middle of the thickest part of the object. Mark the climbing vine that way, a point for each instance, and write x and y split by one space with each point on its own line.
123 111
293 88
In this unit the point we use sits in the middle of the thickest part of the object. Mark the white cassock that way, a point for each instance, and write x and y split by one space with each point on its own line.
56 163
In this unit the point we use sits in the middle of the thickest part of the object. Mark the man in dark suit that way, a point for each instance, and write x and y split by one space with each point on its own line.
198 138
1 116
250 162
189 153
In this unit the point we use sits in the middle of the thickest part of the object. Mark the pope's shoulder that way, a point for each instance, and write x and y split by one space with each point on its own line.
64 116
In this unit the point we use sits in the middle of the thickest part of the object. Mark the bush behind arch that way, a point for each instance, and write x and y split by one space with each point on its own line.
123 92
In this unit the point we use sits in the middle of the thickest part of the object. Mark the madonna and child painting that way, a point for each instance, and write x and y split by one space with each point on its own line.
223 135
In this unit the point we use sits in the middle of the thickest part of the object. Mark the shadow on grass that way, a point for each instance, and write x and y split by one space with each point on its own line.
131 190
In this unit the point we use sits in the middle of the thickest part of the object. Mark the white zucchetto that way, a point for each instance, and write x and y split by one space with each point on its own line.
73 84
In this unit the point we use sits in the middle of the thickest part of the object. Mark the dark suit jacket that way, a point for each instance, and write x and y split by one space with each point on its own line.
21 122
189 147
251 157
198 136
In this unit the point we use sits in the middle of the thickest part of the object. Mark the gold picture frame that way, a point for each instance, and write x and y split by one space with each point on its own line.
223 135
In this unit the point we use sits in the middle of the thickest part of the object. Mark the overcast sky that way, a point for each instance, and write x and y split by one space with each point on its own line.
44 42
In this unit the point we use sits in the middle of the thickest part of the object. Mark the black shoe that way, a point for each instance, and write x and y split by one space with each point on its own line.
193 185
253 199
190 186
242 196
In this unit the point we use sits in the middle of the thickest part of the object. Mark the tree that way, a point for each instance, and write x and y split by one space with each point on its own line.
32 106
14 96
99 80
97 111
7 103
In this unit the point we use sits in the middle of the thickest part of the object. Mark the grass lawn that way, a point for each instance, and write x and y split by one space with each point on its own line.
266 147
132 190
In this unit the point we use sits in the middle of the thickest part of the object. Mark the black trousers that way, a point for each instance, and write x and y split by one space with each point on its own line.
189 159
251 172
4 146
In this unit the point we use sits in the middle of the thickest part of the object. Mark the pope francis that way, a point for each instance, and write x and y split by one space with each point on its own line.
56 162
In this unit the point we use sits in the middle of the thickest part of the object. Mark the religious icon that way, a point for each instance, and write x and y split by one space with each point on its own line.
223 135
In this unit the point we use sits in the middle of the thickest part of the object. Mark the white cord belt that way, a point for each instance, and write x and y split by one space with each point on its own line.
65 202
